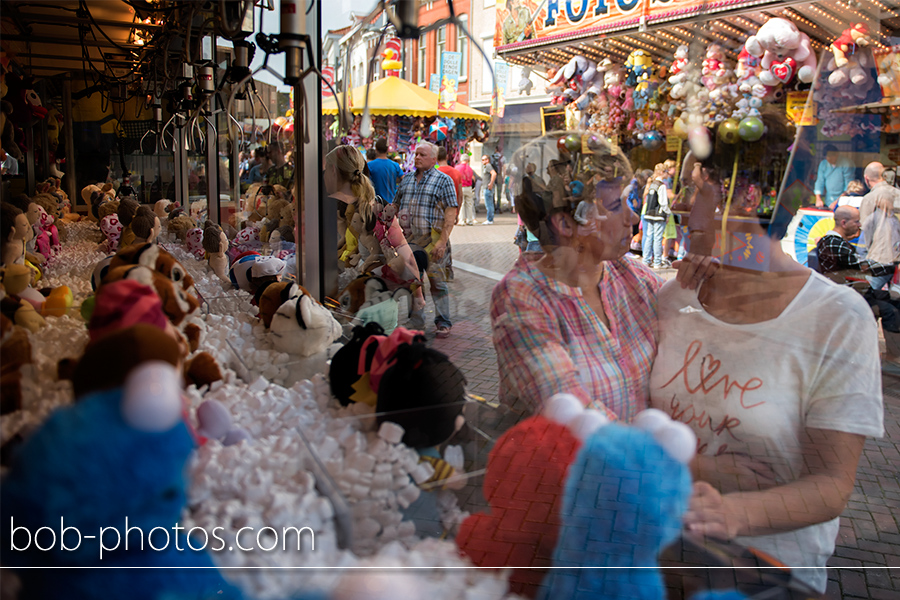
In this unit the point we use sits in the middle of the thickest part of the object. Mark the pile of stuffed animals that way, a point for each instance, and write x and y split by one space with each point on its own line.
639 99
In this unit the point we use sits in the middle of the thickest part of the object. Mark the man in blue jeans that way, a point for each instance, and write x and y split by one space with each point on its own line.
427 199
488 179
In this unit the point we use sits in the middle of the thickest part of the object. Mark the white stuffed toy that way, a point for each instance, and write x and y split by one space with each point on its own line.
786 53
304 328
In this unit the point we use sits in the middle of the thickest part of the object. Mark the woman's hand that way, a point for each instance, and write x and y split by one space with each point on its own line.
712 514
694 269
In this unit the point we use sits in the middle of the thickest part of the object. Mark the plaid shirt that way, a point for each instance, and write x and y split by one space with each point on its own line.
837 254
425 200
548 340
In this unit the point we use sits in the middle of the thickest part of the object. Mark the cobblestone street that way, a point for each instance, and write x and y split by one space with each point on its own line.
867 558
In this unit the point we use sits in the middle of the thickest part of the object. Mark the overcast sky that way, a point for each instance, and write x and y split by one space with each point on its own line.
331 19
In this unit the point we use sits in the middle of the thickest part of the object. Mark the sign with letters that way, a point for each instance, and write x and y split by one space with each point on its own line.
529 20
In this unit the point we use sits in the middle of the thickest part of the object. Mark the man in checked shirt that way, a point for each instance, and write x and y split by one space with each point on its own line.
426 203
838 260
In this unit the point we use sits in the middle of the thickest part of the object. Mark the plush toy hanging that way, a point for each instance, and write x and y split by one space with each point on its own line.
786 53
850 61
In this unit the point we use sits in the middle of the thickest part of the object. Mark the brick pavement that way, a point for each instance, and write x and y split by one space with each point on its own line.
869 540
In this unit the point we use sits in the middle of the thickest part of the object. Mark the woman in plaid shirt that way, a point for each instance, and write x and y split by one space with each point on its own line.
581 317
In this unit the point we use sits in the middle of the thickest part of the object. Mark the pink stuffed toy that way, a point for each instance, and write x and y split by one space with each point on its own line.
194 242
46 235
112 229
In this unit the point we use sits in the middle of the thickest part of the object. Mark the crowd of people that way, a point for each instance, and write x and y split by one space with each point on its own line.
268 164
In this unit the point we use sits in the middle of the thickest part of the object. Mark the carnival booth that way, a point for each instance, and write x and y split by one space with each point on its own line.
775 86
403 112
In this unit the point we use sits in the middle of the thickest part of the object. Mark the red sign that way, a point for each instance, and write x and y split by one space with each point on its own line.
327 75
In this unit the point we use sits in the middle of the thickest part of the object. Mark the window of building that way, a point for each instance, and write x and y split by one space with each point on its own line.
462 46
440 46
487 80
423 78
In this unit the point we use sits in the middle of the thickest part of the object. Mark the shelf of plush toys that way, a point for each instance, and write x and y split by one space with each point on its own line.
731 76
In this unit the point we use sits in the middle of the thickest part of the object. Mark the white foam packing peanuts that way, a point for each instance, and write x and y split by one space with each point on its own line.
390 432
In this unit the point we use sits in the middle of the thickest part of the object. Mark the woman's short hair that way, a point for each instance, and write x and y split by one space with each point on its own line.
603 163
855 188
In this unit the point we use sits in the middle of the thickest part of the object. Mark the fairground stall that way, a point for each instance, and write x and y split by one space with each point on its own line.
777 86
404 114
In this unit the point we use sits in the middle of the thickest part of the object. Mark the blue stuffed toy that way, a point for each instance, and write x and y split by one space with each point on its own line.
624 498
114 458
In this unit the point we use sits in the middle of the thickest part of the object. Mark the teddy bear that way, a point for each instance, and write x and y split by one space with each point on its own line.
275 206
786 53
178 224
7 131
850 61
114 460
193 243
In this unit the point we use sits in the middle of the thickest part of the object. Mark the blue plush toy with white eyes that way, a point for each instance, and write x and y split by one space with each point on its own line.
112 467
113 456
624 498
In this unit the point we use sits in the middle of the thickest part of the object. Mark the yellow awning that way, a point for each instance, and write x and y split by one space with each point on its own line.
395 96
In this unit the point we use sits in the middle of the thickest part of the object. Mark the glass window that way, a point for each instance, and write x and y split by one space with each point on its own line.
440 46
462 46
486 78
421 68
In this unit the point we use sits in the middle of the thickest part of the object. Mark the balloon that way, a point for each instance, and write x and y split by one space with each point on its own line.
652 140
679 128
561 145
572 142
728 131
751 129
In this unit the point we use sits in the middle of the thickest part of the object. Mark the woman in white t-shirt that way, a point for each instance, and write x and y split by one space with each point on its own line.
776 369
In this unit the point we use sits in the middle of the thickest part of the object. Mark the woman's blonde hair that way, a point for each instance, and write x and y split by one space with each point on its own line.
350 166
660 171
855 187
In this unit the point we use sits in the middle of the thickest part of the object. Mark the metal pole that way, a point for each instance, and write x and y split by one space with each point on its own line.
212 174
29 159
299 192
70 142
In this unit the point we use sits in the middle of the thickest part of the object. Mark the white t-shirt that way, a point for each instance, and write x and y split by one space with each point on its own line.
853 201
753 388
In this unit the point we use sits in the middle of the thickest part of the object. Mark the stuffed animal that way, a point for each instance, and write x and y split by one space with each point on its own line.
304 328
638 63
177 303
850 60
581 77
157 259
112 232
525 473
178 224
95 195
145 226
635 477
193 242
786 53
271 296
215 242
251 270
114 460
